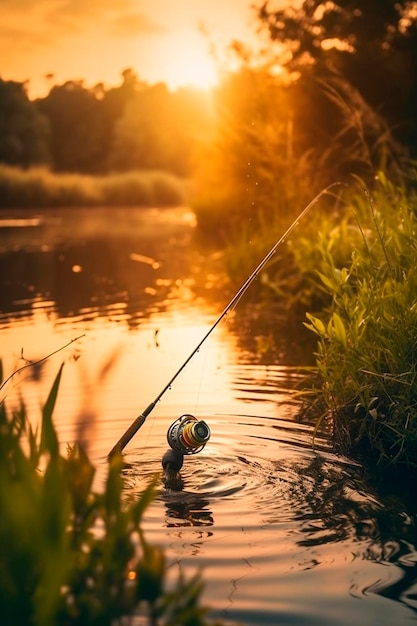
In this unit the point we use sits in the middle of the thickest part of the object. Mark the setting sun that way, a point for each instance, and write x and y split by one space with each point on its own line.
182 58
162 42
186 68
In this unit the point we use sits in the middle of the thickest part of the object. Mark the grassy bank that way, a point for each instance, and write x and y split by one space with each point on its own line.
367 335
351 266
41 188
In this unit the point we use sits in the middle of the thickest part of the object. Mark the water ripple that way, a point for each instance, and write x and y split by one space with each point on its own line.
263 511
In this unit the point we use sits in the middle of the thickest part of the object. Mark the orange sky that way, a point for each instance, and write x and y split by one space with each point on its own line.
96 40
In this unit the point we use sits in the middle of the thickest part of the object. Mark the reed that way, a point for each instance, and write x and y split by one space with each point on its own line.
41 188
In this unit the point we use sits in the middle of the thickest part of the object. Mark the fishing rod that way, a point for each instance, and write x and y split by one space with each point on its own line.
138 422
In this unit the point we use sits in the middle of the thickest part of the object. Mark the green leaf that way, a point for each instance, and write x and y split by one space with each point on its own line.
331 284
339 329
316 325
49 441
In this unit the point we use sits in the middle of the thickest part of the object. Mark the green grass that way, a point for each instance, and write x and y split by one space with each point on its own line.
351 266
367 336
41 188
71 555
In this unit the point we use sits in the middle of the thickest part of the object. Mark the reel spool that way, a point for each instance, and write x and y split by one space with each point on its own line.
188 435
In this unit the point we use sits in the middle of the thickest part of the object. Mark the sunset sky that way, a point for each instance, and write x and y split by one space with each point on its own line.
95 40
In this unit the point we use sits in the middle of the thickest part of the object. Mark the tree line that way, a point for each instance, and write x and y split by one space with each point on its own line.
333 91
134 126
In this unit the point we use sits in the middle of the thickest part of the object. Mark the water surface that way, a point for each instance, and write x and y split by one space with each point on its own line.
284 532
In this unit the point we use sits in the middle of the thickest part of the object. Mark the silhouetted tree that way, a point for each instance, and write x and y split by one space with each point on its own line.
74 115
114 103
371 44
24 132
97 130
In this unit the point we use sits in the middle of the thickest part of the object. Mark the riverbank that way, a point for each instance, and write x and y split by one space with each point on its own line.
39 188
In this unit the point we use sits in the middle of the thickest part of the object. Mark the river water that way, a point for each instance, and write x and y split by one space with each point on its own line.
284 532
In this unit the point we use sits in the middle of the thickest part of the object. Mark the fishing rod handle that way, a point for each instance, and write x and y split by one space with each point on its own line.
130 432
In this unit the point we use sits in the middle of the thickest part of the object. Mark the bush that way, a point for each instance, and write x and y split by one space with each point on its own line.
70 555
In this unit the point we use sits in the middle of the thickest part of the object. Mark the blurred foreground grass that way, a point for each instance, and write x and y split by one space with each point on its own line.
70 555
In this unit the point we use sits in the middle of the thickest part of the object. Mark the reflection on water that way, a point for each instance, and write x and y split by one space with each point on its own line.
71 266
286 533
185 510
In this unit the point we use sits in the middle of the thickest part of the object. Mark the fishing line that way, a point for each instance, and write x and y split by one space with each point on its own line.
138 422
203 369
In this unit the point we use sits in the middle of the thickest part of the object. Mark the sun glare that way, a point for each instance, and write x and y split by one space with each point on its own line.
188 69
185 61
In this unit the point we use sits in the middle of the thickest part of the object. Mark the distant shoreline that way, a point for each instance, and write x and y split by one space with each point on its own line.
39 188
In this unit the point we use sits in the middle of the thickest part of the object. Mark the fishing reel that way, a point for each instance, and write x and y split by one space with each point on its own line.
187 435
